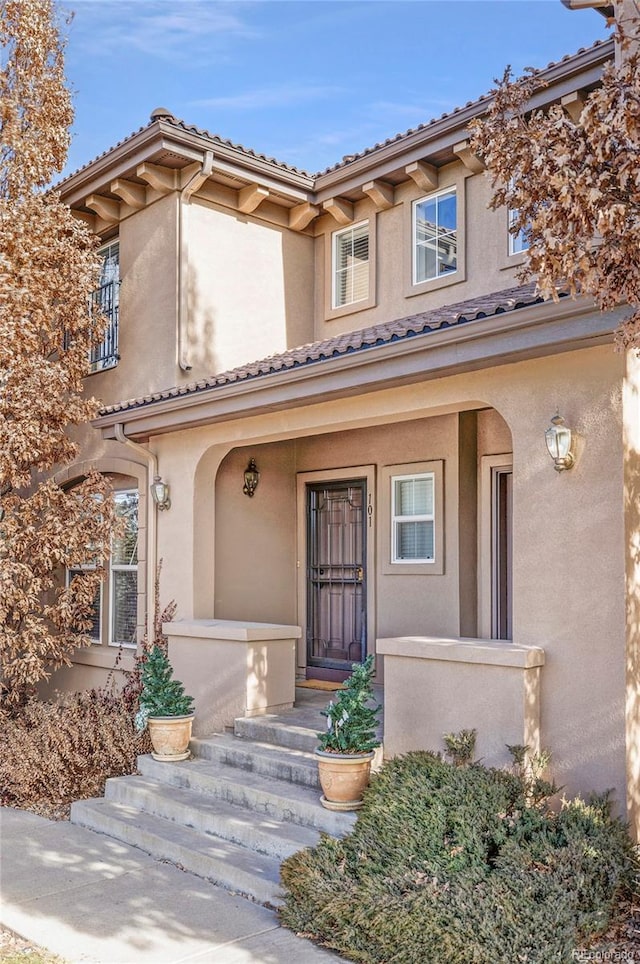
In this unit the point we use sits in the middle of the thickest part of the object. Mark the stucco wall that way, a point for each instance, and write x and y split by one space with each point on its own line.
256 537
256 564
247 293
147 335
250 288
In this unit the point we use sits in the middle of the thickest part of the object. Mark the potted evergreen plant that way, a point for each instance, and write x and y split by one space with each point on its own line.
165 708
347 746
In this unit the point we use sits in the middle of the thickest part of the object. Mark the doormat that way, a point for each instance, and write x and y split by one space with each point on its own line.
320 684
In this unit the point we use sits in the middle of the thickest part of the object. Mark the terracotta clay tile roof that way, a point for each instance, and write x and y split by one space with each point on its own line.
347 159
189 128
423 323
477 103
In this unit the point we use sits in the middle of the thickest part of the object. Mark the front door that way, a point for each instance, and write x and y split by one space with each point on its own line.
336 575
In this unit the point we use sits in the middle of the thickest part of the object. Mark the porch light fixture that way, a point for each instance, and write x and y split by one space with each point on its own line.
558 439
251 478
160 493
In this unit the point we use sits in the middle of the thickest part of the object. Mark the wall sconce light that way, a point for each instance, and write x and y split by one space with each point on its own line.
558 439
251 478
160 493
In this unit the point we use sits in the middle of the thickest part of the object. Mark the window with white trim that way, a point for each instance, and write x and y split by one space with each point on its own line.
350 270
413 518
115 607
519 242
435 236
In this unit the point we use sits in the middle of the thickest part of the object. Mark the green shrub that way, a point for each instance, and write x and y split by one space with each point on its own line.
455 865
161 694
351 718
52 753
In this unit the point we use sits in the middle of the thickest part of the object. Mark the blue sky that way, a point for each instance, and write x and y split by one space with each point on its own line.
306 81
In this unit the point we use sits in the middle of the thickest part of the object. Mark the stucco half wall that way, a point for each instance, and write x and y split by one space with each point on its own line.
233 669
435 686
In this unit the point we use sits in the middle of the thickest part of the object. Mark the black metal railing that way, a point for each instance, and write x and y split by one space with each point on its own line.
106 301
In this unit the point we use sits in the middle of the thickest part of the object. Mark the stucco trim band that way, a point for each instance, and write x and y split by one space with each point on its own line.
230 629
455 650
434 686
529 332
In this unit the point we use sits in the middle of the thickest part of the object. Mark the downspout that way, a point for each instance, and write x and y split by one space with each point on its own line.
184 196
152 533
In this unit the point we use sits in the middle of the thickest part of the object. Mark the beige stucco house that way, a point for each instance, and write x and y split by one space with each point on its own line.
360 334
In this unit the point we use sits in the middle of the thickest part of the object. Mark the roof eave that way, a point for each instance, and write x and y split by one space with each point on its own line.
143 144
583 69
527 332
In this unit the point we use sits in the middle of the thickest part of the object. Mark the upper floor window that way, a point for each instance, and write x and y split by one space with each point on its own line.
106 298
413 518
518 242
435 236
115 607
350 265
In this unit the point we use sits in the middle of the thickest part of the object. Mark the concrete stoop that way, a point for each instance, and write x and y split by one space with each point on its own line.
231 813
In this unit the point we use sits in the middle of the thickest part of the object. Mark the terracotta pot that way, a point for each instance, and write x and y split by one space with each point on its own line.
343 778
170 737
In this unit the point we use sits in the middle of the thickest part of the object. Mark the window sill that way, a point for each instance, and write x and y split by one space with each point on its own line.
434 568
104 367
351 309
434 284
105 657
514 261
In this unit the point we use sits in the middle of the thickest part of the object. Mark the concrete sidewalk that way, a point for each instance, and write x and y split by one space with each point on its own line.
90 898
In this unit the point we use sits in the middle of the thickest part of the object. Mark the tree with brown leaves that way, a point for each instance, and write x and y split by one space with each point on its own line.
48 266
574 185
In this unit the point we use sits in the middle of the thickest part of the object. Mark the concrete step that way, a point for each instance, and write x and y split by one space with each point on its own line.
223 862
282 801
276 730
209 815
280 762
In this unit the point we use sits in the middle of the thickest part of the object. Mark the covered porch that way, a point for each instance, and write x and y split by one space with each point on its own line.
233 558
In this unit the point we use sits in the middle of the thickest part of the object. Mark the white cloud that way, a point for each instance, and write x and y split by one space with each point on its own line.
179 31
425 110
285 95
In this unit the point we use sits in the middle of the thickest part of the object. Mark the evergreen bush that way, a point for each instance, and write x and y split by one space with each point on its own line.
351 719
459 865
162 695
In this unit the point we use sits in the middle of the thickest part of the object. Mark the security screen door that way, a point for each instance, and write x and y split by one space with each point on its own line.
336 574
